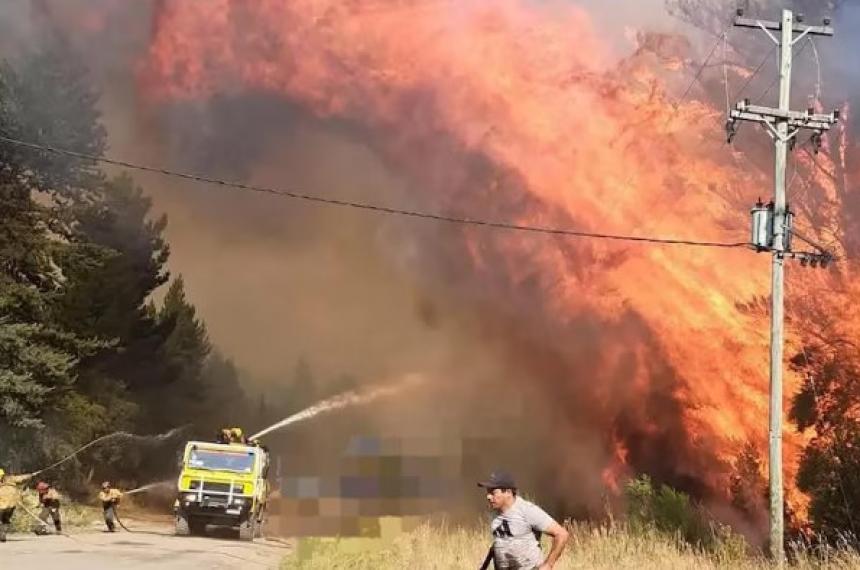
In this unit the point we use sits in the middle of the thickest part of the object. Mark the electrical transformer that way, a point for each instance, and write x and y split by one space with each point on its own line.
762 226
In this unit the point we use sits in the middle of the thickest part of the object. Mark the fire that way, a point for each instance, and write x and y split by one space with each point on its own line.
575 140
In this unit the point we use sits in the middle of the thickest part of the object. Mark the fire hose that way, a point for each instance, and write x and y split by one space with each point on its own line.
119 520
35 518
116 434
43 524
487 560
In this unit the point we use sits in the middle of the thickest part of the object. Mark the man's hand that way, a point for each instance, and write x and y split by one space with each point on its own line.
559 538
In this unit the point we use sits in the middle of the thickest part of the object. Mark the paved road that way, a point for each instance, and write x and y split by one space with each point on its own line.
151 546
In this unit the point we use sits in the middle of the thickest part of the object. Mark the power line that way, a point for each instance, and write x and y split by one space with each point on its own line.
699 72
755 73
366 206
776 79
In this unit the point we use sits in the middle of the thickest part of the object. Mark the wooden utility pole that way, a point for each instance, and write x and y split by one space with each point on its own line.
783 125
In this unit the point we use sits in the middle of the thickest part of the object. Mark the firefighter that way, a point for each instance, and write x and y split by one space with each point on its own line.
223 436
10 496
110 499
236 436
49 498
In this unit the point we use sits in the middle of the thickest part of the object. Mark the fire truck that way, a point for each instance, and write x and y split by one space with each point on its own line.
222 484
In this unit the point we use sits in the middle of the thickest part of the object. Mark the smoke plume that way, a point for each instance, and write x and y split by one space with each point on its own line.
587 362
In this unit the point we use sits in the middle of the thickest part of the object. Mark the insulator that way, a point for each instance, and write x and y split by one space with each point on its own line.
731 130
816 142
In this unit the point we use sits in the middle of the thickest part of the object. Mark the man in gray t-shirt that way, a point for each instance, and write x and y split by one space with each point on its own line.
517 527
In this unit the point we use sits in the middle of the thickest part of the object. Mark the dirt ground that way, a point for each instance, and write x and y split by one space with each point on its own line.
150 544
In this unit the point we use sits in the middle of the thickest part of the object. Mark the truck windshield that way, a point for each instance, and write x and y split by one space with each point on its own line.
241 461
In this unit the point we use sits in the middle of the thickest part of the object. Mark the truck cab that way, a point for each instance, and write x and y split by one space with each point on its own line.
222 484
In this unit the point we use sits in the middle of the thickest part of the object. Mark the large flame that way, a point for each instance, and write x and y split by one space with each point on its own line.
589 143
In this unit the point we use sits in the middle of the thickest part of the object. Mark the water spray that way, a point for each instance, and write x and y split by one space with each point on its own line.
150 486
115 435
352 398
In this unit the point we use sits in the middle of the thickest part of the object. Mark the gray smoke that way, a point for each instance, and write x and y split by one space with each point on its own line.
375 296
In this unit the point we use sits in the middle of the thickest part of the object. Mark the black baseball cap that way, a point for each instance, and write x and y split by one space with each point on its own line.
499 480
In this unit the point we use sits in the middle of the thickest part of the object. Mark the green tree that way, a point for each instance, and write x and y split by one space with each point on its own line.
224 402
133 265
830 465
172 391
83 349
662 508
47 98
187 344
135 253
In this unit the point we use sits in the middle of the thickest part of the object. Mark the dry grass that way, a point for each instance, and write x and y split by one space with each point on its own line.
74 515
593 547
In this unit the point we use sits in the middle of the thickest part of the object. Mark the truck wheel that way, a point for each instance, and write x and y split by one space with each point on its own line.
248 529
182 527
198 527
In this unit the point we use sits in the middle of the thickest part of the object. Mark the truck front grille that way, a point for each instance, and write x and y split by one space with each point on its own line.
216 487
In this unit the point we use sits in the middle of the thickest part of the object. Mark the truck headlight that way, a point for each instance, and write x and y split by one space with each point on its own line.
238 501
191 497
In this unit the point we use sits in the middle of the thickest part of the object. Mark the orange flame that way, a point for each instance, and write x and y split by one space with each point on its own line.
530 87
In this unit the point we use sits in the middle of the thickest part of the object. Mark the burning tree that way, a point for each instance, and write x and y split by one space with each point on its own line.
826 408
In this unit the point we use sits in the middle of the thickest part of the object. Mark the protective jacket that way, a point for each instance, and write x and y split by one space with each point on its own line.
109 496
50 498
10 494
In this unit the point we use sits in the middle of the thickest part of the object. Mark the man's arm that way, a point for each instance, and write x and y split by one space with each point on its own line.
18 479
559 538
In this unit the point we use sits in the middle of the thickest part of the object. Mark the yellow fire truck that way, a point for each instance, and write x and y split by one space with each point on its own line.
222 484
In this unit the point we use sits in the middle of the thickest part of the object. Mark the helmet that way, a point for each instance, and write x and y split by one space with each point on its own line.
106 485
42 486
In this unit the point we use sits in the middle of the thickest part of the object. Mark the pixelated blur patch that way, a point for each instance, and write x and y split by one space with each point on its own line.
373 480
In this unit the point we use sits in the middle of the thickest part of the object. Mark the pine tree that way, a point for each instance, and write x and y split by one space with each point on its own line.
38 358
172 392
47 98
224 402
132 267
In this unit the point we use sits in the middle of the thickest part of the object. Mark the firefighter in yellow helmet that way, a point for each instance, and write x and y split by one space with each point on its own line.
109 498
236 436
10 496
